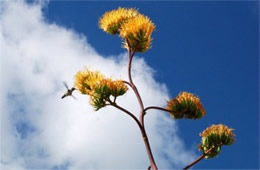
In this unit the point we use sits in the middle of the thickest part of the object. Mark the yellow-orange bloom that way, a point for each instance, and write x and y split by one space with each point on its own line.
98 87
137 33
220 130
214 137
185 96
87 80
118 88
186 105
111 21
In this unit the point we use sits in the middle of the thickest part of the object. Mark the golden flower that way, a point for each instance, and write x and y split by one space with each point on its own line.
186 97
118 88
221 130
115 88
186 105
216 136
137 33
98 87
111 21
86 81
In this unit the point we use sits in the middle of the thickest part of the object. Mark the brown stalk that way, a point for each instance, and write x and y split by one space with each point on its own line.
200 158
156 107
141 116
139 122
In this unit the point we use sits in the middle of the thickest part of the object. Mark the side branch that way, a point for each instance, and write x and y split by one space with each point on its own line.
157 108
126 82
200 158
127 112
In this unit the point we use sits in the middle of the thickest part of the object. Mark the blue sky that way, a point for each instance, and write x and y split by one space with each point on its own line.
207 48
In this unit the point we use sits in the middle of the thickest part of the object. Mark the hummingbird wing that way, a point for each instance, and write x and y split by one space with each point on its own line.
65 84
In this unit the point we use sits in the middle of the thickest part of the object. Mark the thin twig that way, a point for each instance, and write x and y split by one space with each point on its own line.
126 111
126 82
155 107
200 158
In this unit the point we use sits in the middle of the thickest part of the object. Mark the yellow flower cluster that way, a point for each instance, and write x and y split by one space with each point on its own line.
186 105
220 130
185 96
86 81
118 84
135 28
214 137
98 87
116 87
111 21
137 31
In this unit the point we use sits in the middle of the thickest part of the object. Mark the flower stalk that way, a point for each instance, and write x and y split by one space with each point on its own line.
142 112
200 158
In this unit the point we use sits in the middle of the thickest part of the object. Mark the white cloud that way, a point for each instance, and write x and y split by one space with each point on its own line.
39 130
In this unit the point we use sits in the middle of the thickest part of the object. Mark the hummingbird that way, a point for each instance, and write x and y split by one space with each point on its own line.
69 91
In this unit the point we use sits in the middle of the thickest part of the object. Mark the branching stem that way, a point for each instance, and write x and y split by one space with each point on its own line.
141 116
127 112
139 122
131 83
200 158
157 108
